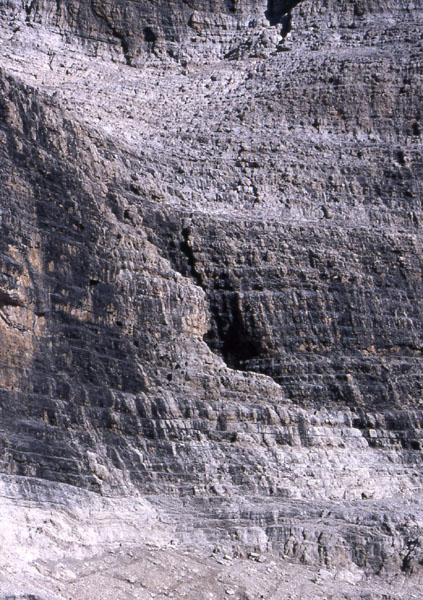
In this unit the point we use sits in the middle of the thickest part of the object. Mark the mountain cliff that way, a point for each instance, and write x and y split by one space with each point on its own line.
210 299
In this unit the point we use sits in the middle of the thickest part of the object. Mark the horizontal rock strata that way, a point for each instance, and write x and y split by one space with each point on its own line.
210 290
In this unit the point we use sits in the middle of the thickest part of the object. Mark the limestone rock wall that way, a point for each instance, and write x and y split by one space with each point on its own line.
130 30
211 271
134 28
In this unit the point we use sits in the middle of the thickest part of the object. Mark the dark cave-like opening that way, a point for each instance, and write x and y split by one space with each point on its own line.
278 11
229 335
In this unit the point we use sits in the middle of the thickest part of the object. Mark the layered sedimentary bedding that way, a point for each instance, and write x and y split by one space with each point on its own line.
210 299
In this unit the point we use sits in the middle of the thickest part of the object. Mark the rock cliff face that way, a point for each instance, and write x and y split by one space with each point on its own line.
210 299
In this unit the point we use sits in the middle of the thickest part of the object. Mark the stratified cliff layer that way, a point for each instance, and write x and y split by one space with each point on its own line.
210 298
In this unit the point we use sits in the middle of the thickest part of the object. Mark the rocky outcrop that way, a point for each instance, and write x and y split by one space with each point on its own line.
210 294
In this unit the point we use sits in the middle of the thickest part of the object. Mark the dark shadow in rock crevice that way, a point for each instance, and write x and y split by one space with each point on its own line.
229 336
278 11
232 335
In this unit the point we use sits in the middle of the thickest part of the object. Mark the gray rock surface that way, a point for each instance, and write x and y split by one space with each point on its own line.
210 299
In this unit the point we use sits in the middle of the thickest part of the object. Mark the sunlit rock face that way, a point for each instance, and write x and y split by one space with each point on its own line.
210 298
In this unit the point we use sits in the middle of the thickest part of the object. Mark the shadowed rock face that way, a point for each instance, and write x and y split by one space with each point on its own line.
210 291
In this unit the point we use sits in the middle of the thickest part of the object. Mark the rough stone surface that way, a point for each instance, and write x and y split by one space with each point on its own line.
210 299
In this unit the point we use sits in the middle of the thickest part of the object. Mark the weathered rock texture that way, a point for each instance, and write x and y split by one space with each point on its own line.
210 299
